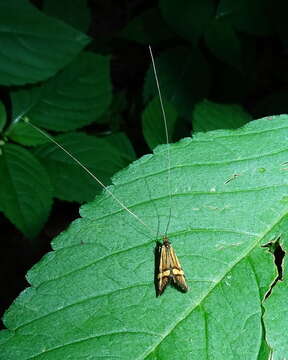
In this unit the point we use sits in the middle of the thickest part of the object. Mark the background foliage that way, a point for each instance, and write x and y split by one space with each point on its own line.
81 71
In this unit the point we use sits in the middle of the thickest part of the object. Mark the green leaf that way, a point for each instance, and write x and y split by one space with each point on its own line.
147 28
101 156
153 122
25 135
94 293
36 46
113 115
246 15
23 101
276 318
25 190
75 14
123 145
208 115
188 18
264 352
184 77
73 98
223 42
3 117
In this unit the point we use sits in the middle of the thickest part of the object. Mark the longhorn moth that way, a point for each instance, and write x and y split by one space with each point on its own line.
169 269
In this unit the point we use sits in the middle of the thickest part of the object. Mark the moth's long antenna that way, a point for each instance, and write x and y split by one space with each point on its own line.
123 206
166 135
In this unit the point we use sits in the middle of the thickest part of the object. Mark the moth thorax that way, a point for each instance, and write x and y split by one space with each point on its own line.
166 242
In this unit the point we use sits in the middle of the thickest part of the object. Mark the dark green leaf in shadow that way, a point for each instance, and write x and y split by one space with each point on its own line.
3 117
25 135
184 77
147 28
224 43
188 18
124 146
208 115
25 190
99 155
153 122
246 15
94 293
24 100
34 46
75 97
74 13
278 16
113 115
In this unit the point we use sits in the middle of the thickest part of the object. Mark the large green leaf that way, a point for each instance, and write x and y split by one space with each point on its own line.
93 296
75 97
102 156
25 189
34 46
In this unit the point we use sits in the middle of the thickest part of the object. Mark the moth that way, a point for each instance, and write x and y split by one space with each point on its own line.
169 269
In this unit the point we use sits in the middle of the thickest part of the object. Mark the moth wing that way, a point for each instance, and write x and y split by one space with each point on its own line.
163 282
179 280
164 271
177 273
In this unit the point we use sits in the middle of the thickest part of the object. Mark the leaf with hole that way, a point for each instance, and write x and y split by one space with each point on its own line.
94 295
276 319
